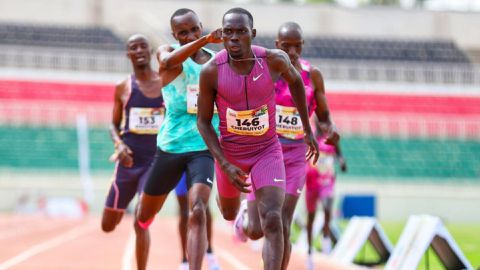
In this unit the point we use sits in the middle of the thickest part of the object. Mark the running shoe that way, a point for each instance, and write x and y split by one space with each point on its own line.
310 264
183 266
212 262
238 231
326 245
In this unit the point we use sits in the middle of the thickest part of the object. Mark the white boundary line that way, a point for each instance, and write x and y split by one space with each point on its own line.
17 231
227 256
46 245
127 257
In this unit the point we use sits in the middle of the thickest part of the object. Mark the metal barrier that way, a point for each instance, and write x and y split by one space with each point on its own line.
411 72
336 70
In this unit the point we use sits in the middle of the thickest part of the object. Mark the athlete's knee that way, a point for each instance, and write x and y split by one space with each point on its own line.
143 224
255 231
228 213
272 222
197 214
108 226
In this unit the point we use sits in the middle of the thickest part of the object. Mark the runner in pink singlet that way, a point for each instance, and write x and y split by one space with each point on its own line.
320 182
290 130
241 83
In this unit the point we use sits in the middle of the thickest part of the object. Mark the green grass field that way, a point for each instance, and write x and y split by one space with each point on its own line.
467 237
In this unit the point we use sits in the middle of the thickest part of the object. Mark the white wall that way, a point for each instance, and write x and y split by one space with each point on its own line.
152 18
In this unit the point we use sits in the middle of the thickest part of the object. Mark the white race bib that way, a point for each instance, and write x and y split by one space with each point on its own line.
192 97
146 120
289 124
249 123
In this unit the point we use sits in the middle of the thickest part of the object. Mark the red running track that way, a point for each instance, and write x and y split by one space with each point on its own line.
37 242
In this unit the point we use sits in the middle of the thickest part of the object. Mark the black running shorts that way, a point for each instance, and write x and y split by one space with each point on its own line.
166 171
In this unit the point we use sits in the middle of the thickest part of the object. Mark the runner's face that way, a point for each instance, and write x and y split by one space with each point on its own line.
186 28
291 42
138 51
237 35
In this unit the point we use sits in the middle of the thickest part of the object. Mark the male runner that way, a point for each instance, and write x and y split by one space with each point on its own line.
241 83
137 115
181 190
179 145
320 187
290 132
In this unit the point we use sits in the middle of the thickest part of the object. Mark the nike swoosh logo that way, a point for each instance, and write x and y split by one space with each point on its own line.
256 78
209 181
277 180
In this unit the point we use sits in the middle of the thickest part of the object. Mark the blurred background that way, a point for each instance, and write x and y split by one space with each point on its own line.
402 80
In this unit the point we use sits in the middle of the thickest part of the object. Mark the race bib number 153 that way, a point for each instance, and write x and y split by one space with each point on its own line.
145 120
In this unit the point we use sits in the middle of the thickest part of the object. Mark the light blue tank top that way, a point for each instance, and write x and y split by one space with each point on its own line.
179 132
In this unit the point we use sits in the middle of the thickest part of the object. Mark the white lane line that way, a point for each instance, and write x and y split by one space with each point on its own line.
237 264
127 258
19 231
46 245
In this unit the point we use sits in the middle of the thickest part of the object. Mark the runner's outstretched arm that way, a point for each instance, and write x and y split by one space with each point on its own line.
281 62
206 97
322 112
169 58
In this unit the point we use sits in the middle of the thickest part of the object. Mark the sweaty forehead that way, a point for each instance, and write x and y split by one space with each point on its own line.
236 20
137 40
290 34
186 20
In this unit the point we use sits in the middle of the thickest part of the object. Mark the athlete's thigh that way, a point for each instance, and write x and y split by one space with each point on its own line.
181 189
123 188
226 190
200 168
295 163
269 199
143 177
268 170
164 173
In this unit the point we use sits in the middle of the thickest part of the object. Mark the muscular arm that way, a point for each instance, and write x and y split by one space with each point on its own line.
117 112
205 103
122 151
168 58
280 63
322 111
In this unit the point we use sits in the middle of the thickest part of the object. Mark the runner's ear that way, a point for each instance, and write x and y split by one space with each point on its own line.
254 33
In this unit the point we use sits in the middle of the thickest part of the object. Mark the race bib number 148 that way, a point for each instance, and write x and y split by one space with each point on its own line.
289 124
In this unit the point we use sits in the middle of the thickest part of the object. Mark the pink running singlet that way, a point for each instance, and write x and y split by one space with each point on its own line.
246 108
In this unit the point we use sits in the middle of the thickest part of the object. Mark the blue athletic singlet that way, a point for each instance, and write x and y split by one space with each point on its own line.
179 132
142 117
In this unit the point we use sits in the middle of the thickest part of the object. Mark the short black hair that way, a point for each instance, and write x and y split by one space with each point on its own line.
136 37
239 10
180 12
290 26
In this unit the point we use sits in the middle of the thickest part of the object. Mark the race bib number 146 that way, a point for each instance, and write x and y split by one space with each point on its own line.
248 123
